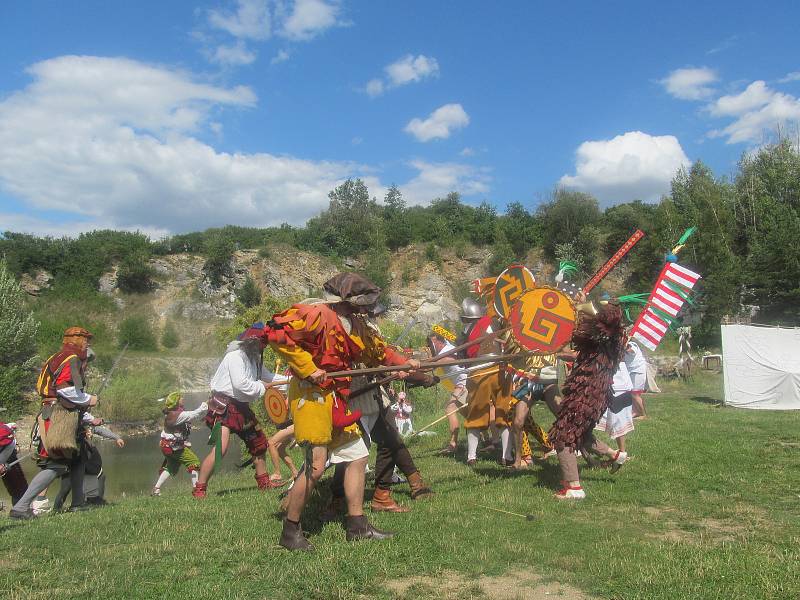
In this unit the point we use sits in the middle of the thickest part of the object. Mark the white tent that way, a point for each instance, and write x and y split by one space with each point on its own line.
761 367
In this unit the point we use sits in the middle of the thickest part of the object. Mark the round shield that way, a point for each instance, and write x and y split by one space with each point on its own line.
276 405
509 286
542 320
447 382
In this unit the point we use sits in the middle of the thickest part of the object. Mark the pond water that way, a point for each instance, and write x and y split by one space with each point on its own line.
133 470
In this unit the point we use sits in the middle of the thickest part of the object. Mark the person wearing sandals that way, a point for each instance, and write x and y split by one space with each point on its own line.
457 401
174 442
280 441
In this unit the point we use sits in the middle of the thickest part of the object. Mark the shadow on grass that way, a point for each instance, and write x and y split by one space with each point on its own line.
706 400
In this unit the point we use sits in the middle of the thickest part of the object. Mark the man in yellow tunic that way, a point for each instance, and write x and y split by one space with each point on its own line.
316 339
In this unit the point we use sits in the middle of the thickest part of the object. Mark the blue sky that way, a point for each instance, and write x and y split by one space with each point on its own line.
176 116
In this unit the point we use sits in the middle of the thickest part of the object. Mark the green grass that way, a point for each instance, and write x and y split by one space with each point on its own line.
708 508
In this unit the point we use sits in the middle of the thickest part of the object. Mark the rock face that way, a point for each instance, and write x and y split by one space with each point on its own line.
428 291
34 285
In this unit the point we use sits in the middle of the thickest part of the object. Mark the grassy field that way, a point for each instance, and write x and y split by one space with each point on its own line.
708 508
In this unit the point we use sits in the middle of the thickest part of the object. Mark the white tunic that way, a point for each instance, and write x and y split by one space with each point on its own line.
239 375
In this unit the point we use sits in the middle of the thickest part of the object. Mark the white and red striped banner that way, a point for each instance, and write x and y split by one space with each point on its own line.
651 327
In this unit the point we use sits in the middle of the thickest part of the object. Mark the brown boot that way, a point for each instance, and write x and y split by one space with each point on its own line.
333 511
382 501
292 537
418 487
358 528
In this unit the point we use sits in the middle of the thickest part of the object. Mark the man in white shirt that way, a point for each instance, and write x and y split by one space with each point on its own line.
235 385
457 401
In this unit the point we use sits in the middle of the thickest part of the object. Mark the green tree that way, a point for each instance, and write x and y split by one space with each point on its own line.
502 255
563 218
249 294
134 275
522 229
397 226
219 258
18 331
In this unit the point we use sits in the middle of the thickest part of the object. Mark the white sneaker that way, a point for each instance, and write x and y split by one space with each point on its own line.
156 492
570 493
619 461
39 507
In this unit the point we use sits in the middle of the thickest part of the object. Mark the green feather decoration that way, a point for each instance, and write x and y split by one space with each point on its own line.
686 235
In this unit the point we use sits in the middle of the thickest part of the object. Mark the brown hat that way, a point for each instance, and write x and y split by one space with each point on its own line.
351 288
78 337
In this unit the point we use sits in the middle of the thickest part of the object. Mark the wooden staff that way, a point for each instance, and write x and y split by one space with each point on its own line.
426 365
612 262
19 460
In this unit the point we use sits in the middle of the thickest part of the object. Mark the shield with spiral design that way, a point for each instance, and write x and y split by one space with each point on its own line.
542 320
509 286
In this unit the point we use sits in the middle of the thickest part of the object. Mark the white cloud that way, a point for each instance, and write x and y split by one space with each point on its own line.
436 180
634 165
234 55
439 124
467 152
309 18
408 69
690 83
756 110
411 69
19 223
281 56
754 96
793 76
250 20
374 88
110 142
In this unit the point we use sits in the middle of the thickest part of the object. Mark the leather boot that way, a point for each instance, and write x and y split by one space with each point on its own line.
292 537
262 481
358 528
199 490
382 501
333 511
418 487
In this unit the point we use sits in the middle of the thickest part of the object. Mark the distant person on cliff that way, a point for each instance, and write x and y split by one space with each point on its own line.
61 423
175 444
316 338
235 385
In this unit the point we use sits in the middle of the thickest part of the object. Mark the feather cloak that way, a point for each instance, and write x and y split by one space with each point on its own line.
600 342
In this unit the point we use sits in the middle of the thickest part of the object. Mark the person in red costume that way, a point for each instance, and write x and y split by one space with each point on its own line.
316 338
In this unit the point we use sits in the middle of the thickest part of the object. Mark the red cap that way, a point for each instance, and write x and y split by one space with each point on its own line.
6 434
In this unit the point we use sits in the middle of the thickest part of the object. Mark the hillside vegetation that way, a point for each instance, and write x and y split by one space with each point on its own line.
179 294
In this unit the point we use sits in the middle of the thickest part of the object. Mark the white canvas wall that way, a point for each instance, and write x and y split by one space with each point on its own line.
761 367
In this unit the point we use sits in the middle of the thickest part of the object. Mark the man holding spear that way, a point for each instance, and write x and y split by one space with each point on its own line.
316 340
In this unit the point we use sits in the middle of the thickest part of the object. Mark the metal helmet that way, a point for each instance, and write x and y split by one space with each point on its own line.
471 310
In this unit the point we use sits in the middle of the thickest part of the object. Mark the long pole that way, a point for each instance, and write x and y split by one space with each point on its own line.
427 365
107 378
16 462
612 262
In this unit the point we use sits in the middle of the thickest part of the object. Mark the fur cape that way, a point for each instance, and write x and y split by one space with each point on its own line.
600 341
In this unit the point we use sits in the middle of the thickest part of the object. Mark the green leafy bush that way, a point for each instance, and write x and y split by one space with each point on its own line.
134 275
249 294
131 395
169 337
136 333
17 340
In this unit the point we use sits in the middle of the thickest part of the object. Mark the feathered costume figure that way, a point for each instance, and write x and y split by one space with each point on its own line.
600 342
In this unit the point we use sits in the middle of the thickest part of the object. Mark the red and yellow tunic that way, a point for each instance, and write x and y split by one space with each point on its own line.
311 337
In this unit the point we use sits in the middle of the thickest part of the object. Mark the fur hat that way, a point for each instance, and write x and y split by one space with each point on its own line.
351 288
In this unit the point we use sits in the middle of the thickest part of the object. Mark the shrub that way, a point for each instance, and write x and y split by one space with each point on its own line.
432 255
131 395
134 275
249 294
218 260
136 333
169 337
17 339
